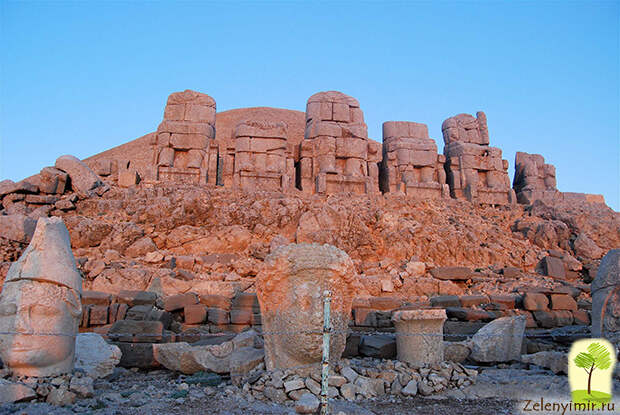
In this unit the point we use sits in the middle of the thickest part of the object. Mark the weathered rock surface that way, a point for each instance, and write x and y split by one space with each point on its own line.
499 340
290 291
556 361
15 392
606 298
83 180
95 356
17 227
40 303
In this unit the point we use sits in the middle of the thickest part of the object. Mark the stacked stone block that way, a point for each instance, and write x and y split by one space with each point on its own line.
263 157
475 170
410 161
534 180
336 155
184 146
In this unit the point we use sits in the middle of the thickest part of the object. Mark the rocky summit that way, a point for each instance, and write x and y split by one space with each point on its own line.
174 234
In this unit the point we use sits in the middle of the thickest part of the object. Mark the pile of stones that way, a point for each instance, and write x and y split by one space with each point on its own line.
58 390
357 379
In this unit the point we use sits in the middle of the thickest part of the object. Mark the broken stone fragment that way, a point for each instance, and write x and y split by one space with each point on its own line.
84 181
94 356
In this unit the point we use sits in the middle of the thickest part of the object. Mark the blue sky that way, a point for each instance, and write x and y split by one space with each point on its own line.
81 77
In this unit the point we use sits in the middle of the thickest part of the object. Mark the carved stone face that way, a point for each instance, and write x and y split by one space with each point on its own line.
42 319
303 314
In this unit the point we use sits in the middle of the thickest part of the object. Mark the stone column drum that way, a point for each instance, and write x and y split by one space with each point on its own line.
419 335
290 293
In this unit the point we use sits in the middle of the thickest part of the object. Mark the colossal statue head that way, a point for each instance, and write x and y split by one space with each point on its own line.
40 305
290 292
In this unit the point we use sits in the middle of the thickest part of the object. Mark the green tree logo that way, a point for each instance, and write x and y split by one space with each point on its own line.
597 357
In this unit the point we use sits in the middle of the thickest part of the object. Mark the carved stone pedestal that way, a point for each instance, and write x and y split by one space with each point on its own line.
419 335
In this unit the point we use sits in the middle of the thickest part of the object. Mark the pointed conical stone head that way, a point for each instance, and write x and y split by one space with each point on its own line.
40 305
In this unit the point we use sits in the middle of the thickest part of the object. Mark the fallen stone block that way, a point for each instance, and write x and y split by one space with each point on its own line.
535 301
189 359
15 392
444 301
563 302
556 361
452 273
136 297
95 298
136 355
499 341
94 356
553 267
83 180
136 331
17 227
380 346
179 301
195 313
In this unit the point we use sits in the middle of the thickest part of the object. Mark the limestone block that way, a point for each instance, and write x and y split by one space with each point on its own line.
290 293
324 128
187 127
83 180
15 392
175 112
40 304
351 147
424 158
188 141
184 358
327 111
166 157
419 335
190 97
499 340
52 180
199 113
94 356
195 158
261 129
17 227
340 112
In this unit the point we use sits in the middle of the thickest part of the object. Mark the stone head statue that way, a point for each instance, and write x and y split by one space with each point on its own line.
290 293
40 305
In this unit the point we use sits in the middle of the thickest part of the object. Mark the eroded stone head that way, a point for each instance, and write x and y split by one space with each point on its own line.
290 292
40 305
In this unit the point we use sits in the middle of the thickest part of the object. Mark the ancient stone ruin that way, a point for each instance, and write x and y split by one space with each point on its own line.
534 180
290 291
40 304
336 155
331 154
476 171
410 162
184 149
204 258
263 159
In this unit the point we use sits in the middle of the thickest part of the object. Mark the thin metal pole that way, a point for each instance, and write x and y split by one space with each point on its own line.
327 298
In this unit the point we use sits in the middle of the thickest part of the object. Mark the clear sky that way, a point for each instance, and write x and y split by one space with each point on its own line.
81 77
